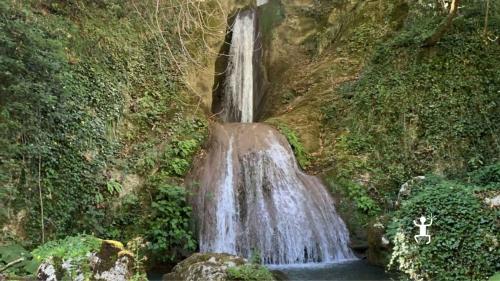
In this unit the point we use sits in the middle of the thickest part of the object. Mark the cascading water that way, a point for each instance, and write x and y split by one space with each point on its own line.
250 195
238 105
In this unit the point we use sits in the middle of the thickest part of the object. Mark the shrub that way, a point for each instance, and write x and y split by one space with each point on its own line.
464 234
168 227
249 272
25 265
73 247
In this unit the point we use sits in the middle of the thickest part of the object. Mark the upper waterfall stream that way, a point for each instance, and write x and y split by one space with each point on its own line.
250 195
238 105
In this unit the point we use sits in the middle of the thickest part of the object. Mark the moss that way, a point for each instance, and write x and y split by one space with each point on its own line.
109 254
113 243
249 272
127 253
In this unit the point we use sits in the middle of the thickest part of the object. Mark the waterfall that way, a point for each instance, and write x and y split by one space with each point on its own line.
250 196
239 85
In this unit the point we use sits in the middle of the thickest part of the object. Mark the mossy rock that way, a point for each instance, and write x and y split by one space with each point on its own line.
205 266
111 262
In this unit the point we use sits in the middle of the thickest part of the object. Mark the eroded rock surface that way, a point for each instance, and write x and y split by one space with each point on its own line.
207 266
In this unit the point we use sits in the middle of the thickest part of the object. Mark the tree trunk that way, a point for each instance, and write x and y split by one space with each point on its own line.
444 26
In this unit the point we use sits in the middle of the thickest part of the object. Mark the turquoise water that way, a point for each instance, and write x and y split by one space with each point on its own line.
346 271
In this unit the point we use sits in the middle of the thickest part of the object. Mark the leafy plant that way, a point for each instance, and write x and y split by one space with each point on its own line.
114 187
363 201
168 227
298 148
464 233
249 272
22 262
72 247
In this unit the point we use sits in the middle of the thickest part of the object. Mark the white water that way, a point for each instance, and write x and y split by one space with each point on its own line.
239 84
225 241
253 197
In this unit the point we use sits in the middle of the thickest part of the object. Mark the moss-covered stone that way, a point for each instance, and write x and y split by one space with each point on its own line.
111 262
205 266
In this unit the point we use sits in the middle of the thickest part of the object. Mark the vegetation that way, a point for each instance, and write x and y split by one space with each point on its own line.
16 261
412 111
169 223
90 98
75 248
249 272
98 130
465 231
303 158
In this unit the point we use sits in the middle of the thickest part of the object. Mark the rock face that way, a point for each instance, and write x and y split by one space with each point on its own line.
207 267
111 263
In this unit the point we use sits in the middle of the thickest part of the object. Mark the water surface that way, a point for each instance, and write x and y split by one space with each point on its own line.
349 271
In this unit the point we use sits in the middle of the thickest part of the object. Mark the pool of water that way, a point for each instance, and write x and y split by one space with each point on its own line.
346 271
349 271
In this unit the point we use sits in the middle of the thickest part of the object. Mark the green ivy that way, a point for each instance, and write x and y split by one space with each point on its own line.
465 241
86 90
418 110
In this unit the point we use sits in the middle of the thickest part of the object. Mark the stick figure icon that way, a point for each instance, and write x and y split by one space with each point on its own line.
423 233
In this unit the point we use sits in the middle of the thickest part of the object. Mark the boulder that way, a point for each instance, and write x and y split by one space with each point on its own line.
111 263
206 266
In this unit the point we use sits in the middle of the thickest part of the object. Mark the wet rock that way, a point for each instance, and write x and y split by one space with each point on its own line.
206 266
112 263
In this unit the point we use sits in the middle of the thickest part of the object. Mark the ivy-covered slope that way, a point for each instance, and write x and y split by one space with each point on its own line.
95 124
416 109
392 108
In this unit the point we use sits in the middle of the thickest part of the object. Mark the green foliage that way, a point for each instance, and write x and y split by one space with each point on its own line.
114 186
168 226
298 148
417 110
12 252
357 194
249 272
54 122
73 247
495 277
137 246
86 90
465 241
255 257
486 176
